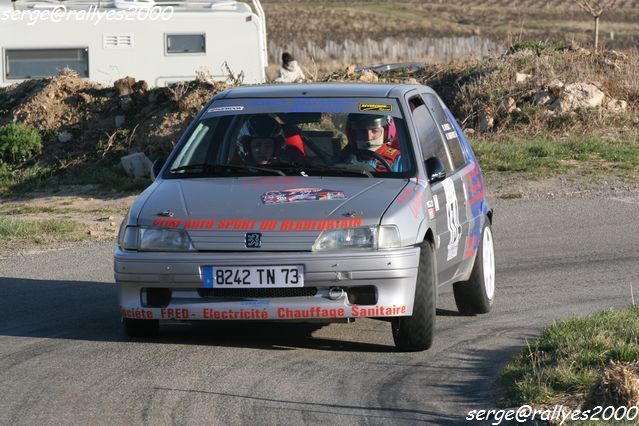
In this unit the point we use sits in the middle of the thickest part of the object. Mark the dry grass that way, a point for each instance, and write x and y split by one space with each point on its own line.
17 233
332 54
617 386
475 87
590 359
484 95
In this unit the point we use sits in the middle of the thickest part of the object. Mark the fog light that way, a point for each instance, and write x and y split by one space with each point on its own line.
156 297
362 295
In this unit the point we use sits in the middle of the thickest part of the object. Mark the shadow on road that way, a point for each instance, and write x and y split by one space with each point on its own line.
449 313
470 377
416 389
363 411
85 310
88 311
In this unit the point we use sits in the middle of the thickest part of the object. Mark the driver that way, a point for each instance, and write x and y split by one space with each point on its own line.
375 133
262 150
261 141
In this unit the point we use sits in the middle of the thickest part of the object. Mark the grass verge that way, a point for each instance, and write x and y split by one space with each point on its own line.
35 178
570 355
15 209
548 157
18 233
542 156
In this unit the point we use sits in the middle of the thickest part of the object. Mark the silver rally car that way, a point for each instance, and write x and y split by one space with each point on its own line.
311 202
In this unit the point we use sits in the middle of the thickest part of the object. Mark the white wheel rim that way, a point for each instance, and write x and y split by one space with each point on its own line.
488 257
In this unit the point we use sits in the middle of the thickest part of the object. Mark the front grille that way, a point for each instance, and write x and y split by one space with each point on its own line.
257 293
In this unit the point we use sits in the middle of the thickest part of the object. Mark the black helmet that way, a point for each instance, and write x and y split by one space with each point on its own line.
364 121
357 123
263 126
260 126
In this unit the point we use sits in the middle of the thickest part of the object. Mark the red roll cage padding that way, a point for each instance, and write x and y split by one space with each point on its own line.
293 141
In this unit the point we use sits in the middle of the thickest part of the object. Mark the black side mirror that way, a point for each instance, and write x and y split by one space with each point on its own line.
435 170
156 168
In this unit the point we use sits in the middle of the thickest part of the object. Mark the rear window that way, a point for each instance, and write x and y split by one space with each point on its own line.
309 136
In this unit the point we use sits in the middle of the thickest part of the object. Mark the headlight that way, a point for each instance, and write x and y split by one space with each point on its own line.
159 239
364 238
155 239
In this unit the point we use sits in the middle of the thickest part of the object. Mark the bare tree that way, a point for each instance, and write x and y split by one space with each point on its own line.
595 8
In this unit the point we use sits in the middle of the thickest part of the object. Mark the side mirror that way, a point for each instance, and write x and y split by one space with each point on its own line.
156 168
435 170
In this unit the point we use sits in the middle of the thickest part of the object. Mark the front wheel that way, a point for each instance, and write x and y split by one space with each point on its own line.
476 295
415 333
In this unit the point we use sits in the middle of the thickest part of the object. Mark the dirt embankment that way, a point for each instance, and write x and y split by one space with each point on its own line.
530 92
84 123
535 91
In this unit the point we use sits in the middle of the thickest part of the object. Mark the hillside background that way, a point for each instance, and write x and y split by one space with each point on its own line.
543 112
343 32
515 98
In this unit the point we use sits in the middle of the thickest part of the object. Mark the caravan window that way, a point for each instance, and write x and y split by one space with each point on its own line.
185 43
32 63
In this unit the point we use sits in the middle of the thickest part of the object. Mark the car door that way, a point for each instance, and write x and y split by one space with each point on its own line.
475 207
447 230
455 191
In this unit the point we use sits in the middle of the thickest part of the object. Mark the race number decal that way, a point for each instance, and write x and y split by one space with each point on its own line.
452 218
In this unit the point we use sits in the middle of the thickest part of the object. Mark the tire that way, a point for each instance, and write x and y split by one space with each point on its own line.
415 333
141 327
476 295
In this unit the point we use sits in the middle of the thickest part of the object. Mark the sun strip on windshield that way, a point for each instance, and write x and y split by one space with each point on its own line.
300 105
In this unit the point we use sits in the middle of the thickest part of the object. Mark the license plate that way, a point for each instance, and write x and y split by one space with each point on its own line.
253 276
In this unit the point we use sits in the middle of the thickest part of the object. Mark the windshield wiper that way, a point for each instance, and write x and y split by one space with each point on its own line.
207 166
191 167
246 167
334 171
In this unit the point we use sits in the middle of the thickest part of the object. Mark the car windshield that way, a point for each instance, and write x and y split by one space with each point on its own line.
352 138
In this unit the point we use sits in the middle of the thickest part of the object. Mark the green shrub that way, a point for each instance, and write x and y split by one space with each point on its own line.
538 46
18 142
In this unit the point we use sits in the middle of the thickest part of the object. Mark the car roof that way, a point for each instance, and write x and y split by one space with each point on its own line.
323 90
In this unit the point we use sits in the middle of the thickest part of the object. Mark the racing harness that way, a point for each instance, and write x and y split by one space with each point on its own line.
389 154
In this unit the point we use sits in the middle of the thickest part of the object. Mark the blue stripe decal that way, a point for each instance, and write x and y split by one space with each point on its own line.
207 275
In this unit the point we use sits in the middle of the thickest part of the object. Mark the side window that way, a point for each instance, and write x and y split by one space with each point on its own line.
195 149
32 63
415 102
430 138
447 129
185 43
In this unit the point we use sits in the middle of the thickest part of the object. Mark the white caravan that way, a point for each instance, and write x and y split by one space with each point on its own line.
160 42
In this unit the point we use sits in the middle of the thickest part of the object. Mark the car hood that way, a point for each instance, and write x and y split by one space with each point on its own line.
289 212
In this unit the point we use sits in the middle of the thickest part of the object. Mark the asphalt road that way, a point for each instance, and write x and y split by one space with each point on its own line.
63 357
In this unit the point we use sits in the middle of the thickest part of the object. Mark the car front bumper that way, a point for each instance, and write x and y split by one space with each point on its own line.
392 273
